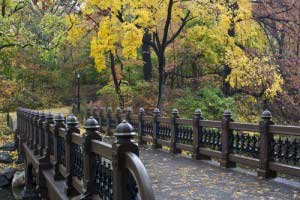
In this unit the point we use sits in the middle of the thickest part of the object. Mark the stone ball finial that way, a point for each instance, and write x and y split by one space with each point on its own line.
129 109
36 113
266 114
94 110
72 120
42 117
227 113
91 123
31 113
124 129
59 117
198 112
42 114
35 116
118 110
49 115
141 110
101 109
156 111
175 111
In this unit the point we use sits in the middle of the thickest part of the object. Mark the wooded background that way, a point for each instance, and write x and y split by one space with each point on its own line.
215 55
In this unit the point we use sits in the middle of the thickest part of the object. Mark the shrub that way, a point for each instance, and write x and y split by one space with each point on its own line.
211 101
109 97
144 95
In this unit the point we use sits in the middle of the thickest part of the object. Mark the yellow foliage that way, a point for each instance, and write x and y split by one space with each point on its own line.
255 73
121 25
98 53
249 71
76 29
132 39
112 35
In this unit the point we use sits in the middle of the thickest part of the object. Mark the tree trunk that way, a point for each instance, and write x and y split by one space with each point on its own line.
161 83
3 10
7 118
281 46
172 80
147 68
231 32
195 73
33 84
115 80
226 85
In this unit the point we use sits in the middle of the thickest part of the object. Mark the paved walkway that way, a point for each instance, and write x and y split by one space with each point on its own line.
180 178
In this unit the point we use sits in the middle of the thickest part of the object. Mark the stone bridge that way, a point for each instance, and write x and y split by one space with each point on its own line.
183 158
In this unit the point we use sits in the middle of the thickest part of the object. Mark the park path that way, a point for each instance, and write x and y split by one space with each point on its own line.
181 178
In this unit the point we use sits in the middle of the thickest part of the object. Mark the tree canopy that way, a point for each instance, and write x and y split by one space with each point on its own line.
232 45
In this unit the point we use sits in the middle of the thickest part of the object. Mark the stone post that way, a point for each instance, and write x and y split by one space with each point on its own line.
72 127
101 117
48 122
28 192
156 115
128 114
197 130
174 131
226 139
141 126
109 121
118 115
91 126
124 143
59 123
88 112
41 132
30 129
265 147
35 133
95 114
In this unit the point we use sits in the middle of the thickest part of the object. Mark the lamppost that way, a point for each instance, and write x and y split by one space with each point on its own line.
78 93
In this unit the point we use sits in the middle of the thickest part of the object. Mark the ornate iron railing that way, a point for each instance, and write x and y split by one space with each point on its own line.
267 147
86 164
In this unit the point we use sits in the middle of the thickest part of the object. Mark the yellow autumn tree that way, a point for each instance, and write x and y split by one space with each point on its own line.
121 25
111 39
227 24
236 43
